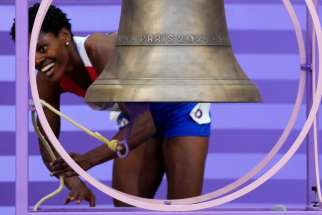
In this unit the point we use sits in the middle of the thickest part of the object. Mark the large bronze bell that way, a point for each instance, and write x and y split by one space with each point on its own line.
173 50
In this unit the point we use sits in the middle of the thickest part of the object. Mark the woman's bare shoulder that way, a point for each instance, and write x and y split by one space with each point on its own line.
99 48
99 40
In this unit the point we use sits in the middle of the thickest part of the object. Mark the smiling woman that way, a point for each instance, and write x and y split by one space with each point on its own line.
70 64
66 64
61 69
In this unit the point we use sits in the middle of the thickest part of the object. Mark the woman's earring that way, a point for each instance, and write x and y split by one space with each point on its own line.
66 43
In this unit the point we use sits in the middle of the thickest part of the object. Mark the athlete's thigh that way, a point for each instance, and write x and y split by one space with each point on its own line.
141 172
184 163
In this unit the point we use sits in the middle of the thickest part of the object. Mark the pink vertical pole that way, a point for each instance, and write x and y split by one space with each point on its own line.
21 107
311 183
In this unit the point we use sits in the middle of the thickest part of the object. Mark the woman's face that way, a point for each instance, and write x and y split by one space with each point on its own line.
52 55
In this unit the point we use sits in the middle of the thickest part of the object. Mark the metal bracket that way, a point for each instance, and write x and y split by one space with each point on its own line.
306 67
316 204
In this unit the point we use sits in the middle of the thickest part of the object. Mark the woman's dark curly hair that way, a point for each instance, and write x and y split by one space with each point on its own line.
55 21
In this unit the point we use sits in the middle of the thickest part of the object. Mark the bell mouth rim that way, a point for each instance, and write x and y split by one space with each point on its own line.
173 93
168 82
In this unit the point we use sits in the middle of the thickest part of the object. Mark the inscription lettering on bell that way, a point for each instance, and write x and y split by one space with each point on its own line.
173 39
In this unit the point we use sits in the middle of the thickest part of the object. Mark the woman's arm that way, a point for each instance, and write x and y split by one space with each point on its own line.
137 132
50 93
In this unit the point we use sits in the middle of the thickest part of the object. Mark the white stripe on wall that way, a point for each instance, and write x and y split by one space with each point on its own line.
256 66
219 166
261 17
270 66
225 116
102 18
7 65
7 210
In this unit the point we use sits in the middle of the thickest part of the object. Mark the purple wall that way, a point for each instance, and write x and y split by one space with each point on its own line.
241 133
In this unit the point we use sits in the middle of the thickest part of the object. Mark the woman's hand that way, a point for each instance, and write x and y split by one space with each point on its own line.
78 191
61 168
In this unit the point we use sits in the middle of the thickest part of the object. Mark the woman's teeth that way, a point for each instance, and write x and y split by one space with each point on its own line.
48 69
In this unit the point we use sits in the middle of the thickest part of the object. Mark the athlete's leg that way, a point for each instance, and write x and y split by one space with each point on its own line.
184 163
141 172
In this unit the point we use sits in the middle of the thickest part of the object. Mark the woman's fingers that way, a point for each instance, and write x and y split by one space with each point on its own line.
68 172
69 199
58 165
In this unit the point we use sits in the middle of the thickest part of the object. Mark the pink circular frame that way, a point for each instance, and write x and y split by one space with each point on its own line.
157 204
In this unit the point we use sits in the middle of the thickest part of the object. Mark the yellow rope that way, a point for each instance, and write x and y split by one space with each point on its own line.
111 144
52 157
50 195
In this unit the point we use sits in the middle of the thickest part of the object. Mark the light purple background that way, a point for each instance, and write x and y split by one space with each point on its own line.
264 44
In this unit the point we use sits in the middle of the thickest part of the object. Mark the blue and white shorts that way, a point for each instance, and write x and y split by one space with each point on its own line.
178 119
181 119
